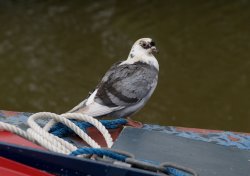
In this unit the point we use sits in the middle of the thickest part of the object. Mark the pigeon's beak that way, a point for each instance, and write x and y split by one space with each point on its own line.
154 49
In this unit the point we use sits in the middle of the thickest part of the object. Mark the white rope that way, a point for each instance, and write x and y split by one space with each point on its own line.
36 133
14 129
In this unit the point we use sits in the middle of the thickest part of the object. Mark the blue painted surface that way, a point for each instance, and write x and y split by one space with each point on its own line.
225 138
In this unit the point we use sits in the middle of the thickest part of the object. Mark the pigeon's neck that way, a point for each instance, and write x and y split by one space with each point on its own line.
141 56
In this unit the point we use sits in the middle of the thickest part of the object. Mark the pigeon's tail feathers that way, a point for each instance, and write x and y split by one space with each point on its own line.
95 109
78 107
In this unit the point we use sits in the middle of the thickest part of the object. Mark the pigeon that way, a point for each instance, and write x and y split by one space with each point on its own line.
126 86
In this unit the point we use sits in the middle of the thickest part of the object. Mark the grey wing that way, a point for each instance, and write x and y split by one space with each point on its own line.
126 84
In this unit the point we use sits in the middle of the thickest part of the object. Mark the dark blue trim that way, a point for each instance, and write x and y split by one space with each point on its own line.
59 164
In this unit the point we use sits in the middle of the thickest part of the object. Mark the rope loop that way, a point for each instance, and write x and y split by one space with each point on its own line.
100 152
177 170
41 135
61 130
64 119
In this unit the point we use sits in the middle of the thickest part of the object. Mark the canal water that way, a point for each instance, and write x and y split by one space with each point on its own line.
52 53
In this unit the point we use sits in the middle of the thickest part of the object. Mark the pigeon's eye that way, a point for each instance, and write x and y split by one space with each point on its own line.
152 43
144 45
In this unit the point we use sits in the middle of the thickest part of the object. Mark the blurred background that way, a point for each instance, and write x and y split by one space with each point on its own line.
52 53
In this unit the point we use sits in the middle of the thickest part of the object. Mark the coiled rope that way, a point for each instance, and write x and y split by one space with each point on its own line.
43 137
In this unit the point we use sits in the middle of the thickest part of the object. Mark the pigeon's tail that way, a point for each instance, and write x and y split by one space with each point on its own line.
79 106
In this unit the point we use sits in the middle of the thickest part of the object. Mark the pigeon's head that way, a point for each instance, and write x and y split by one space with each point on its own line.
143 51
144 46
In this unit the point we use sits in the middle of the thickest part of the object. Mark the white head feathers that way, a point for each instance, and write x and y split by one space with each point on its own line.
142 51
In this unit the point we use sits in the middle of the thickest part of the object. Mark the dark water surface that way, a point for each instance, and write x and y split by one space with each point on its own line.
52 53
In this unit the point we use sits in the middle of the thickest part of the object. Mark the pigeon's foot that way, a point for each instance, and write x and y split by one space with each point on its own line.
135 124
